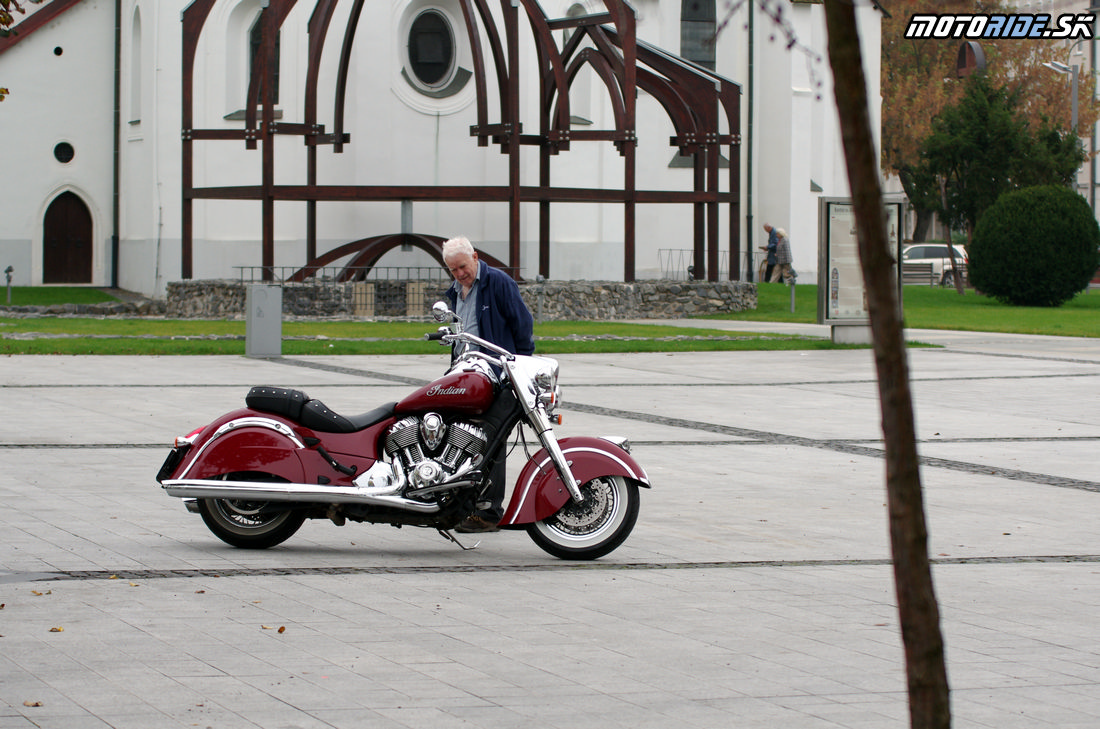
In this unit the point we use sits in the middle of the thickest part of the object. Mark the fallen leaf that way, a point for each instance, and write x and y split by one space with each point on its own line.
282 628
58 629
133 584
113 577
267 627
32 703
200 592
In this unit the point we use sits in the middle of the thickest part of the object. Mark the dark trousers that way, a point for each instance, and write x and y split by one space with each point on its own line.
495 493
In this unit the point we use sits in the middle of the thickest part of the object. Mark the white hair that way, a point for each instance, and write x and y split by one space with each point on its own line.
457 247
781 233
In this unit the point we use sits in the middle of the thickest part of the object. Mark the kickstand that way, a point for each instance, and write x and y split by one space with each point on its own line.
451 537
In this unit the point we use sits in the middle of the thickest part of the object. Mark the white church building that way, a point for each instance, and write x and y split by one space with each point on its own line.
123 167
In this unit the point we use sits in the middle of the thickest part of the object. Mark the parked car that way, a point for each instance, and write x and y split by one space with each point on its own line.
936 254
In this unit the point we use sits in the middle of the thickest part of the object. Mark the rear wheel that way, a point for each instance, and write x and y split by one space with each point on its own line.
250 524
594 527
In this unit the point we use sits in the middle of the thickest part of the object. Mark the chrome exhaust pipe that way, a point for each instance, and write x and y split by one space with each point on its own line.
293 492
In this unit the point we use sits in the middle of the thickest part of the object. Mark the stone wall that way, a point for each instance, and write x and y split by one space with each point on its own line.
599 300
548 301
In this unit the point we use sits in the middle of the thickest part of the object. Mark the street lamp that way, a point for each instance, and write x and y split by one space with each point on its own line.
1074 71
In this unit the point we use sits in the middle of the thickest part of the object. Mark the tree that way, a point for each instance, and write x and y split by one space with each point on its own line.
929 706
925 662
983 146
919 79
7 20
1038 246
915 87
974 146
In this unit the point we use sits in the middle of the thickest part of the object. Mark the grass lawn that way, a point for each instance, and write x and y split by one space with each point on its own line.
926 307
49 295
87 335
932 307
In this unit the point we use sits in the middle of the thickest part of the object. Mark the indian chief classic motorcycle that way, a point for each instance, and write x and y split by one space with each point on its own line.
257 473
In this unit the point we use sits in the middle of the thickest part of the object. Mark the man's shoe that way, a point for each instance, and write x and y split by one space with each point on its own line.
476 525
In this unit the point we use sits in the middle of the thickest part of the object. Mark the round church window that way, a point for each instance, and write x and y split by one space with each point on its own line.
64 153
431 48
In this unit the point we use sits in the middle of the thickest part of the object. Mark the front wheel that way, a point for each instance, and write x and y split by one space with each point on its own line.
250 524
593 528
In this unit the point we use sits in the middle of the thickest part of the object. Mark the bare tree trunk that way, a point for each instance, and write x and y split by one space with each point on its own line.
922 225
956 276
929 701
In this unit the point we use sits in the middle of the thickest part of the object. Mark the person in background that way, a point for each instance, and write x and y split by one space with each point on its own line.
490 306
783 257
773 242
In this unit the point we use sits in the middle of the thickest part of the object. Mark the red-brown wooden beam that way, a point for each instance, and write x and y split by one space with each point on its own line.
528 194
194 18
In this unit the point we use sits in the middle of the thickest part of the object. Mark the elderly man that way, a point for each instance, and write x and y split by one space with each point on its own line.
490 306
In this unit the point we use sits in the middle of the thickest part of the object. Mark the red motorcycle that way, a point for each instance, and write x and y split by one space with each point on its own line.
256 474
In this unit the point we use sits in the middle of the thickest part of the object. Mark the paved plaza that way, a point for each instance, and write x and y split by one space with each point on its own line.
755 591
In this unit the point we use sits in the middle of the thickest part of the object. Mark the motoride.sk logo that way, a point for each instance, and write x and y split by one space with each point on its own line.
1017 25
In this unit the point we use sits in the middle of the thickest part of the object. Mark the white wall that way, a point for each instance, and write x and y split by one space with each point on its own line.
57 98
398 137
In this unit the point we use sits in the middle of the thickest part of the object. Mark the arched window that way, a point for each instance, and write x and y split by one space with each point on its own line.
576 10
698 20
580 93
135 68
255 38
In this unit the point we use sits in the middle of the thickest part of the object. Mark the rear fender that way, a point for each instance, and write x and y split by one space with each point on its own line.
540 492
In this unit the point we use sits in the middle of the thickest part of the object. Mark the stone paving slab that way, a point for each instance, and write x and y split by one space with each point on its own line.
756 590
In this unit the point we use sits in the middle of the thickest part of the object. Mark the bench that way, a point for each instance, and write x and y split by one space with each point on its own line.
918 273
950 281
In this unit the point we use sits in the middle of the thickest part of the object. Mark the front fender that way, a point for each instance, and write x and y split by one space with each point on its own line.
539 490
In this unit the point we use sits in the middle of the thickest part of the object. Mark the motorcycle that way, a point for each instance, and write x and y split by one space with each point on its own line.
256 474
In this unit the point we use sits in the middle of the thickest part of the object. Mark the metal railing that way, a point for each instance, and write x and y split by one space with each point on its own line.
677 264
398 291
341 274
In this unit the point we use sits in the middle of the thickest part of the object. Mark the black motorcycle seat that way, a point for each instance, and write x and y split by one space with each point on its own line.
313 414
316 416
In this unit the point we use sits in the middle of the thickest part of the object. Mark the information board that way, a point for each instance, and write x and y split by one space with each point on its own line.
842 298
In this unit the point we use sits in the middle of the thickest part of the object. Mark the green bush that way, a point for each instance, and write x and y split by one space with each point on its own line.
1038 246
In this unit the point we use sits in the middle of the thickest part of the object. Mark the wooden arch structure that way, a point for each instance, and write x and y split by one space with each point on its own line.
697 101
366 252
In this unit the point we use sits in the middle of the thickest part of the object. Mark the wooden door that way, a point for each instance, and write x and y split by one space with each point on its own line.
67 241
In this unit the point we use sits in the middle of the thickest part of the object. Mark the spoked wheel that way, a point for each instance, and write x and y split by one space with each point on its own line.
594 527
249 524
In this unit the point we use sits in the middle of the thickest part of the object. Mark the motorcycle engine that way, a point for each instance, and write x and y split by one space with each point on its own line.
433 452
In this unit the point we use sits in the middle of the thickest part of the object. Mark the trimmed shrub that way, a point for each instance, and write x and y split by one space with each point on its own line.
1038 246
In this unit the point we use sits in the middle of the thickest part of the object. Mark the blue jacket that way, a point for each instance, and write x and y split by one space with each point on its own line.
502 316
773 244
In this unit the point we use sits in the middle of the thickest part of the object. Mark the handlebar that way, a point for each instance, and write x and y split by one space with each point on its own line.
435 336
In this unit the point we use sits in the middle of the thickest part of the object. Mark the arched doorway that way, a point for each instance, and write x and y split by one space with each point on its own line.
67 241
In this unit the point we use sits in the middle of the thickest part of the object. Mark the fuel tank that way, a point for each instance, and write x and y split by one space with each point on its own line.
468 392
